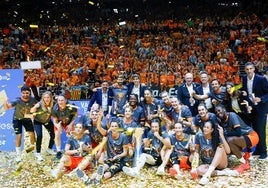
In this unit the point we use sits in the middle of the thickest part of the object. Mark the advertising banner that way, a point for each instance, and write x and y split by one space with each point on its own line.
11 81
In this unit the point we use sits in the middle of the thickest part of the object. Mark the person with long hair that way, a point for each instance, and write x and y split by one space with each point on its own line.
128 124
180 151
116 145
95 128
181 114
236 102
151 107
156 151
202 117
42 111
212 147
77 147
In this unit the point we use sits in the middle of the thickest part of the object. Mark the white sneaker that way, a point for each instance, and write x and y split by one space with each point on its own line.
229 172
50 151
18 158
54 173
38 157
150 159
72 175
160 171
133 172
29 148
204 180
179 175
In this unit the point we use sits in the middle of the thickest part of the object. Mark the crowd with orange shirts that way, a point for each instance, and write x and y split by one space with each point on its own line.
159 51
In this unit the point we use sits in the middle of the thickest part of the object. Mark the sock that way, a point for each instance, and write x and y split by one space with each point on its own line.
18 150
221 172
242 160
209 171
177 168
58 148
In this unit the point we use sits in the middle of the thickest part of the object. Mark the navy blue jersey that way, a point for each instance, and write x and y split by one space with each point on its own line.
234 119
211 117
206 150
75 144
115 146
138 114
155 142
181 147
120 96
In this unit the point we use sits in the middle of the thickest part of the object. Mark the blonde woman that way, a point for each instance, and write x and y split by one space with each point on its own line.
42 111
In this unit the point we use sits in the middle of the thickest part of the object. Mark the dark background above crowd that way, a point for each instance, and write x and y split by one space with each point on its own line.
22 12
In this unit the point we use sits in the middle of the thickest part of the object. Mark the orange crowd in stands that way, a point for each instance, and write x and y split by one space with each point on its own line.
161 51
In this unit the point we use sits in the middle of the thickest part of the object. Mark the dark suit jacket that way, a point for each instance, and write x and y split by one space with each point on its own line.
184 96
130 86
199 90
260 89
97 97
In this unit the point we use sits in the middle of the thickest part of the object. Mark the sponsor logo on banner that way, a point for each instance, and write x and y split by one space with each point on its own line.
156 90
81 107
84 105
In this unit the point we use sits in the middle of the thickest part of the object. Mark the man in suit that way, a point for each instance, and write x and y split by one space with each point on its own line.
185 91
256 87
205 88
101 96
135 87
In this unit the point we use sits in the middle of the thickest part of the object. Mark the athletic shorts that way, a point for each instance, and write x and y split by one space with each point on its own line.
254 138
154 154
27 124
75 161
183 161
115 166
63 127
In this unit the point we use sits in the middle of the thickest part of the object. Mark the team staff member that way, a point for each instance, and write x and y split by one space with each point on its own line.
185 91
135 87
204 88
256 87
101 96
43 110
22 117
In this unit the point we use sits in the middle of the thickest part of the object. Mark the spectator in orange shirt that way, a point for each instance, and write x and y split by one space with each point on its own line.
236 78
